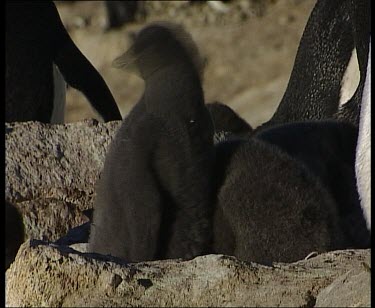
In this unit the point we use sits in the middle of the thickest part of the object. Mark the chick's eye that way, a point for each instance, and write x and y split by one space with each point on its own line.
192 124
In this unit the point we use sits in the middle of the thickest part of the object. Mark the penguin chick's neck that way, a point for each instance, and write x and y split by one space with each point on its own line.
174 88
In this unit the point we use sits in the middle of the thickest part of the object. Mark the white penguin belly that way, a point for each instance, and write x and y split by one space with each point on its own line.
350 80
59 96
363 152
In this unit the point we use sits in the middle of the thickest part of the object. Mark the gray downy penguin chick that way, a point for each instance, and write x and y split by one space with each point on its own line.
270 207
226 119
227 122
35 42
154 195
326 46
327 148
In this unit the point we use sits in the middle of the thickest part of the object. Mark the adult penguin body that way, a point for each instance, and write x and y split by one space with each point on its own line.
315 84
154 195
35 42
326 46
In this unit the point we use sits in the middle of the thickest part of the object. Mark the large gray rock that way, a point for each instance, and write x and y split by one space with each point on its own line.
55 161
349 290
51 171
50 275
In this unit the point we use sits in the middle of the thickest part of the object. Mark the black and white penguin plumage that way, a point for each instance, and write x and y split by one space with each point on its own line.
154 195
38 49
314 87
360 17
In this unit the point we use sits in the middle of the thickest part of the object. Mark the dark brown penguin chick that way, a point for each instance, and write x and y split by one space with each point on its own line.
328 149
270 207
227 120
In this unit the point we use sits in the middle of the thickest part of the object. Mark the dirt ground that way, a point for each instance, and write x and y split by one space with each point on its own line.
250 50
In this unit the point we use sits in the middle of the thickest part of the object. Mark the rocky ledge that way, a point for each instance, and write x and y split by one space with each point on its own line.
49 275
51 171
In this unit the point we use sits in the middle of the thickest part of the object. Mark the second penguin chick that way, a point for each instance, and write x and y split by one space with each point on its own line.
270 207
227 122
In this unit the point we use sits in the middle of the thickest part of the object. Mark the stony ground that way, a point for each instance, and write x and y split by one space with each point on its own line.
250 50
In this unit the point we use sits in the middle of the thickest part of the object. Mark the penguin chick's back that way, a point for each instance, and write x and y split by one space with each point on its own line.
281 214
